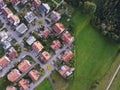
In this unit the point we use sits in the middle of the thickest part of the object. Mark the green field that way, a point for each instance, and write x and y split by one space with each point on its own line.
45 85
94 54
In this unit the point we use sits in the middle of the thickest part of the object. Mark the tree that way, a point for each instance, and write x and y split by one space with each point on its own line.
40 21
89 7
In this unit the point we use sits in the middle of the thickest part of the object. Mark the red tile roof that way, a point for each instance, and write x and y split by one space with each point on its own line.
34 75
58 28
56 45
67 37
24 65
11 88
37 3
64 69
37 46
68 55
15 2
12 53
13 75
7 12
24 84
4 61
45 33
45 56
15 19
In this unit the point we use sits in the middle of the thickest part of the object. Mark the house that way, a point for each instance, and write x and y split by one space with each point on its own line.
2 4
13 75
37 46
55 16
44 56
58 28
36 3
65 71
30 17
3 36
22 28
24 1
44 8
31 40
67 38
11 88
45 33
6 44
24 84
12 53
67 56
56 45
14 19
7 12
24 65
4 61
15 2
34 75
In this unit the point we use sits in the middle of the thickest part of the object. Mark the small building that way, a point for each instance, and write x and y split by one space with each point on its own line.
36 3
24 84
45 33
44 8
4 61
56 45
2 4
11 88
14 19
67 56
7 12
37 46
13 75
44 56
65 71
30 17
67 38
6 44
3 36
15 2
31 40
34 75
24 65
22 28
58 28
12 53
55 16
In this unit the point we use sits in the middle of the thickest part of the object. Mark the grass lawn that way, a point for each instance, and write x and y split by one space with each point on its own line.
108 76
2 51
45 85
93 54
116 83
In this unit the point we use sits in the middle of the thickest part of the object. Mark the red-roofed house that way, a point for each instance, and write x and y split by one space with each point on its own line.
7 12
67 38
15 2
65 71
13 75
45 33
2 4
44 56
11 88
56 45
37 46
68 55
4 61
34 75
24 84
58 28
14 20
12 53
24 65
36 3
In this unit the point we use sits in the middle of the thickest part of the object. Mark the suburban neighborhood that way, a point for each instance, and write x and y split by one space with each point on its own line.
34 42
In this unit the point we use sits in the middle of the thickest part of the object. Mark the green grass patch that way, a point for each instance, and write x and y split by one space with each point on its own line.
45 85
2 51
